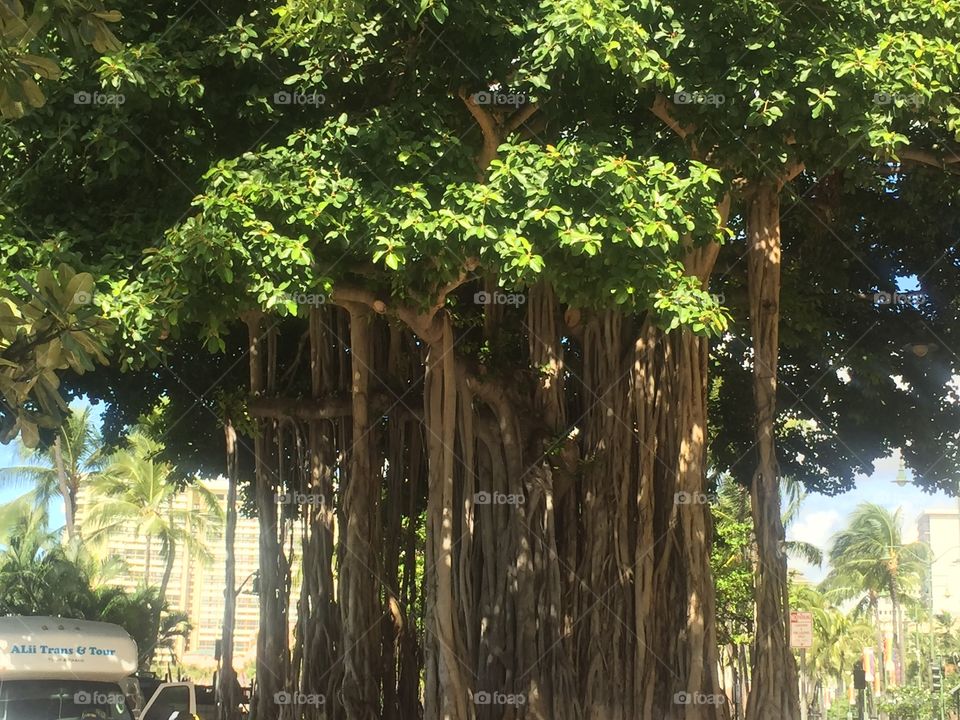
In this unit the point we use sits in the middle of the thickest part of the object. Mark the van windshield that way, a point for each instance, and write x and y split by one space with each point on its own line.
62 700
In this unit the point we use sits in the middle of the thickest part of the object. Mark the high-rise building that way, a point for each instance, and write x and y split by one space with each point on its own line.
940 529
195 587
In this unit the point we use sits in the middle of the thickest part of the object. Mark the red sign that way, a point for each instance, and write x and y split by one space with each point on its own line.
801 630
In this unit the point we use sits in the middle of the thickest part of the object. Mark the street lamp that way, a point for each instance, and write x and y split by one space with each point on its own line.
902 475
921 350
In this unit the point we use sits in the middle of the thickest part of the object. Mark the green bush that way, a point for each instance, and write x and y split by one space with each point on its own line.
908 703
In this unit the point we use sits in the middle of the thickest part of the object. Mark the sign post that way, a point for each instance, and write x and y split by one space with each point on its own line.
801 638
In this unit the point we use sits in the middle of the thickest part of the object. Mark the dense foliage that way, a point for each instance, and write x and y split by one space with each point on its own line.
289 200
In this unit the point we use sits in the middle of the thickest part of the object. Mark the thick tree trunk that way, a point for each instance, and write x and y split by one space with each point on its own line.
359 586
548 490
447 696
678 655
587 593
695 531
272 656
318 620
774 694
227 686
675 592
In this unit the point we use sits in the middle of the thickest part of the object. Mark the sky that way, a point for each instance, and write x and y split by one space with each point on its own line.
821 516
10 456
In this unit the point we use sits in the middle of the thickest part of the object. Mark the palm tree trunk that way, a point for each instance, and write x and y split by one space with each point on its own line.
162 597
876 620
167 570
897 632
69 498
148 551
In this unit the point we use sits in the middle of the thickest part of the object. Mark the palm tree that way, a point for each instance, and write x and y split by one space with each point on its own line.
26 562
136 612
59 469
135 489
40 575
870 560
100 571
839 638
37 574
732 556
795 494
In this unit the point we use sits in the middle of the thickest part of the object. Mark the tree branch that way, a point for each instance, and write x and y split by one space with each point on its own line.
466 274
520 117
421 323
792 171
328 407
663 109
488 127
925 157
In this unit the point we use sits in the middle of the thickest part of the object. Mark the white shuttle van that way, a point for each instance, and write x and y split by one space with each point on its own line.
60 669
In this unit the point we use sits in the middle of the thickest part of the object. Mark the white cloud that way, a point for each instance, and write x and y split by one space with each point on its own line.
816 527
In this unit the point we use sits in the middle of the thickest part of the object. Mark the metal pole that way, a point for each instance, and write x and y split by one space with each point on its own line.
942 679
736 695
803 684
930 626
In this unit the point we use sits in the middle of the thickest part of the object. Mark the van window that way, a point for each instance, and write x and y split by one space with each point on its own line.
170 700
62 700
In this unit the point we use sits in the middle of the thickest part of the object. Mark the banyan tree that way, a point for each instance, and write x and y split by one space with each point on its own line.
455 274
477 311
497 386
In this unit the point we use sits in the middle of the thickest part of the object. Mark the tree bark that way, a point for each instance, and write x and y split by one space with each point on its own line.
319 618
272 637
228 702
448 697
774 694
359 587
